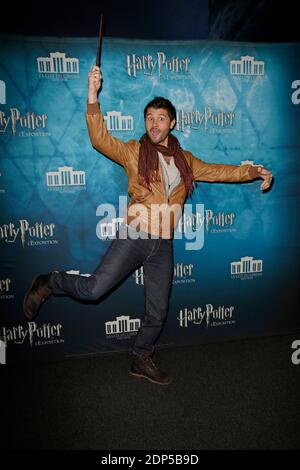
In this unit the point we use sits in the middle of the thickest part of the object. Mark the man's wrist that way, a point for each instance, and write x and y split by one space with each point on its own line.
254 173
92 99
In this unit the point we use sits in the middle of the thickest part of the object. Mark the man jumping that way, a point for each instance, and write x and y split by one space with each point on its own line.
160 174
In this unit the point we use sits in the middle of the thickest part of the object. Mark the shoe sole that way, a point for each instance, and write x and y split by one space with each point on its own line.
31 317
140 376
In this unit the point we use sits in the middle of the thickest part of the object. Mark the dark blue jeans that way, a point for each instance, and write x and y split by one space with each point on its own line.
122 258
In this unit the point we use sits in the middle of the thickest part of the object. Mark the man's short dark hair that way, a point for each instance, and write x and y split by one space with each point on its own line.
160 102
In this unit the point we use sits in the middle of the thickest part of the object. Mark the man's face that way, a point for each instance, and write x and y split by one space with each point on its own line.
158 125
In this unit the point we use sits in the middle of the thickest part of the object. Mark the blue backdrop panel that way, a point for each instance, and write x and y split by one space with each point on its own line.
236 102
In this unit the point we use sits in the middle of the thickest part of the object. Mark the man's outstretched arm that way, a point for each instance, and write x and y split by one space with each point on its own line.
214 172
100 138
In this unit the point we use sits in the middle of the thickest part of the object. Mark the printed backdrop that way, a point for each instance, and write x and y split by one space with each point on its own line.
236 103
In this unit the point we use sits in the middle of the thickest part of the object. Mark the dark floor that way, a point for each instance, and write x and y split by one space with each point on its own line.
242 394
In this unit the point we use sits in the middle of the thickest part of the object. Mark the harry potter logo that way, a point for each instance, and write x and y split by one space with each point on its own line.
29 121
148 64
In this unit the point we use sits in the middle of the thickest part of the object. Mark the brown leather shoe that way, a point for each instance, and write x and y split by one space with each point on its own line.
36 295
143 367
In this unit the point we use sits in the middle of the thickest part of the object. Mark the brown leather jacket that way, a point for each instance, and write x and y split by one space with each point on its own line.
154 211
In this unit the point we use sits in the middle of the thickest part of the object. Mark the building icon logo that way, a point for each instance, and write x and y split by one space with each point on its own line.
116 122
65 176
247 265
247 65
109 230
57 62
122 327
2 92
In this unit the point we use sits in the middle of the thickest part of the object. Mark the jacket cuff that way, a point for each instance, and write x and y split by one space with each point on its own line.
253 172
93 108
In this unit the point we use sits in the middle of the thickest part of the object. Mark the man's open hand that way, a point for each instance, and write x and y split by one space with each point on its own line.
266 176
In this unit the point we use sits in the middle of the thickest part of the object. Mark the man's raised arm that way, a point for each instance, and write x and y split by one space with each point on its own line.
100 138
